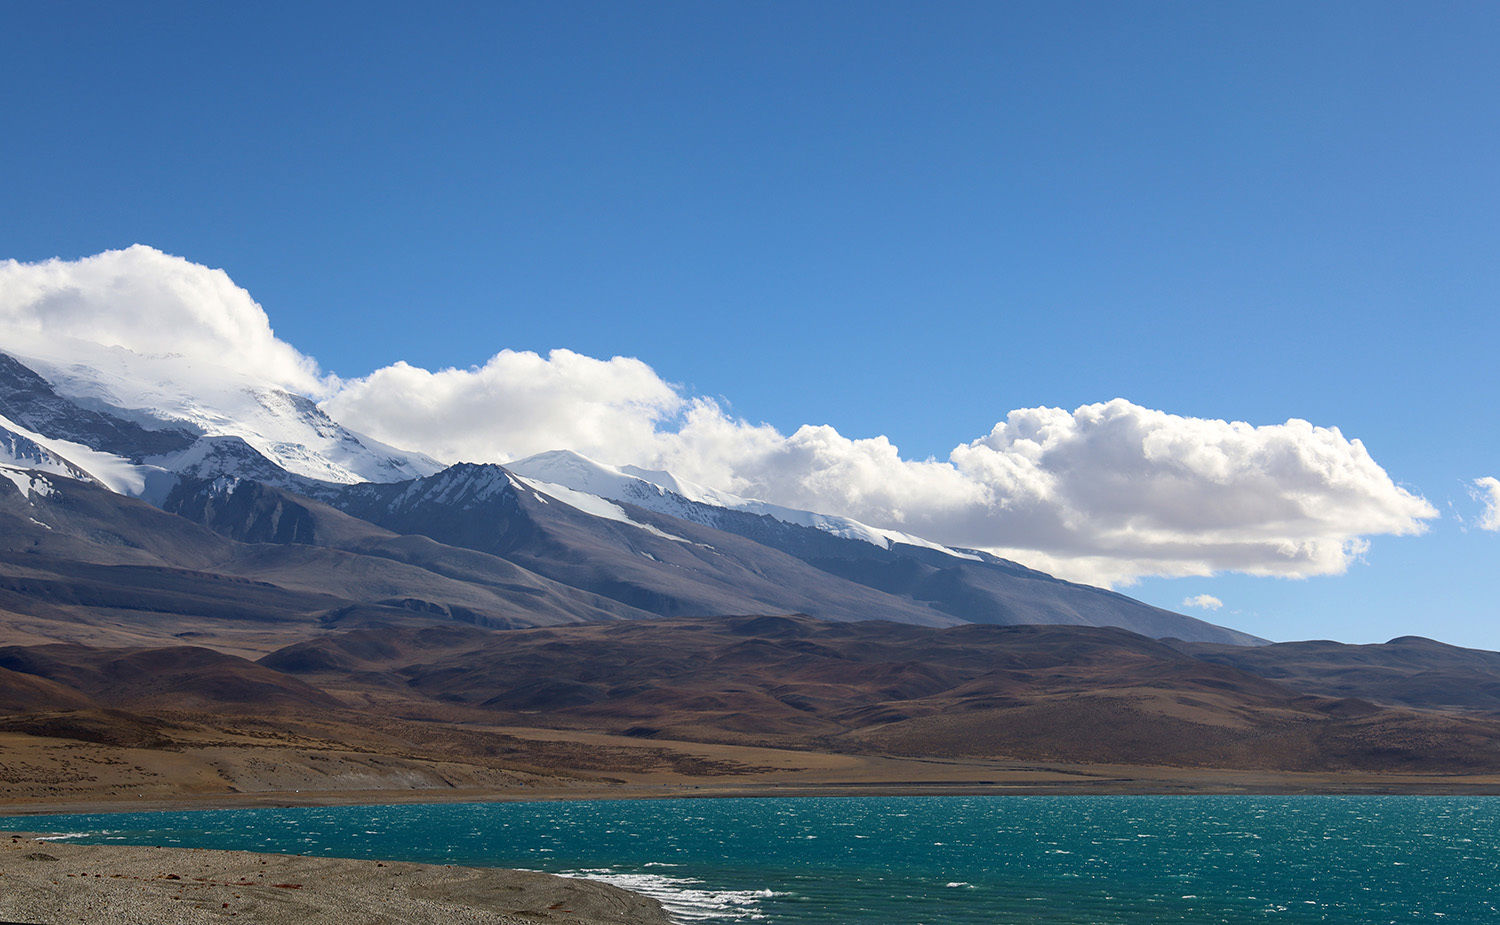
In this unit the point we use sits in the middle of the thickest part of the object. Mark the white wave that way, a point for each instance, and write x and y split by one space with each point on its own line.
685 899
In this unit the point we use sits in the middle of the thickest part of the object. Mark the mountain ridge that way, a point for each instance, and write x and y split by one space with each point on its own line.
625 546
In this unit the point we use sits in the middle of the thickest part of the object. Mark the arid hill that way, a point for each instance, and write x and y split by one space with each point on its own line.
1090 694
1409 671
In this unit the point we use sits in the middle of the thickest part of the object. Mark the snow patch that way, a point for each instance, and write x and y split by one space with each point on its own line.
21 479
74 460
593 505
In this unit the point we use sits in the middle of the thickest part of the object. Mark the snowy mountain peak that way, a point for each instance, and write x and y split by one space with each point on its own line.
152 409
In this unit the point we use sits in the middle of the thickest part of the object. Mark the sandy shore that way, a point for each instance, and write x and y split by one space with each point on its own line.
49 883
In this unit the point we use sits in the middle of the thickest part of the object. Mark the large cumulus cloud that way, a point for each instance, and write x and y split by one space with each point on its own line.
1103 493
149 303
517 404
1128 490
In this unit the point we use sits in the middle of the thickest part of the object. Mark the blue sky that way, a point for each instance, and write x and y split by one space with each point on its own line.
895 219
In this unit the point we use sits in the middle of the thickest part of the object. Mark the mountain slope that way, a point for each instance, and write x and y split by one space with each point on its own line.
79 563
299 542
658 565
969 585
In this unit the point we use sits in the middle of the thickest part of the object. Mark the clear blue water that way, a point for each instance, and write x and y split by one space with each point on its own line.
1072 860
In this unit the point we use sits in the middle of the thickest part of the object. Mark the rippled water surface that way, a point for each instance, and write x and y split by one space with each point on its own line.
1072 860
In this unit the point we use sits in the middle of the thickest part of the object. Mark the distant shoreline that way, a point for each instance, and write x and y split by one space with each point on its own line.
1084 780
56 776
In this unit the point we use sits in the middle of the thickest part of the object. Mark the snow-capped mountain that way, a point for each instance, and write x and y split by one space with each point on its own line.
262 465
139 417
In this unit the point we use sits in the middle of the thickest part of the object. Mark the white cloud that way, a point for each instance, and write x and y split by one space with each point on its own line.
515 405
1105 493
1487 491
1203 602
149 303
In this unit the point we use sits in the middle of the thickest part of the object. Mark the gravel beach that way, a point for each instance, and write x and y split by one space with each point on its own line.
50 883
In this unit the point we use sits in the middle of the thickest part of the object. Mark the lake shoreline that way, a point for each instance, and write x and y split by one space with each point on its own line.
51 775
1089 780
46 882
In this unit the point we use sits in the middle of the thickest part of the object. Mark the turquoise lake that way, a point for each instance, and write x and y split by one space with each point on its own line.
1074 860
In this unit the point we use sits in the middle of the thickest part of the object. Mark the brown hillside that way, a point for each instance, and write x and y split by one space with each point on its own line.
1048 692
